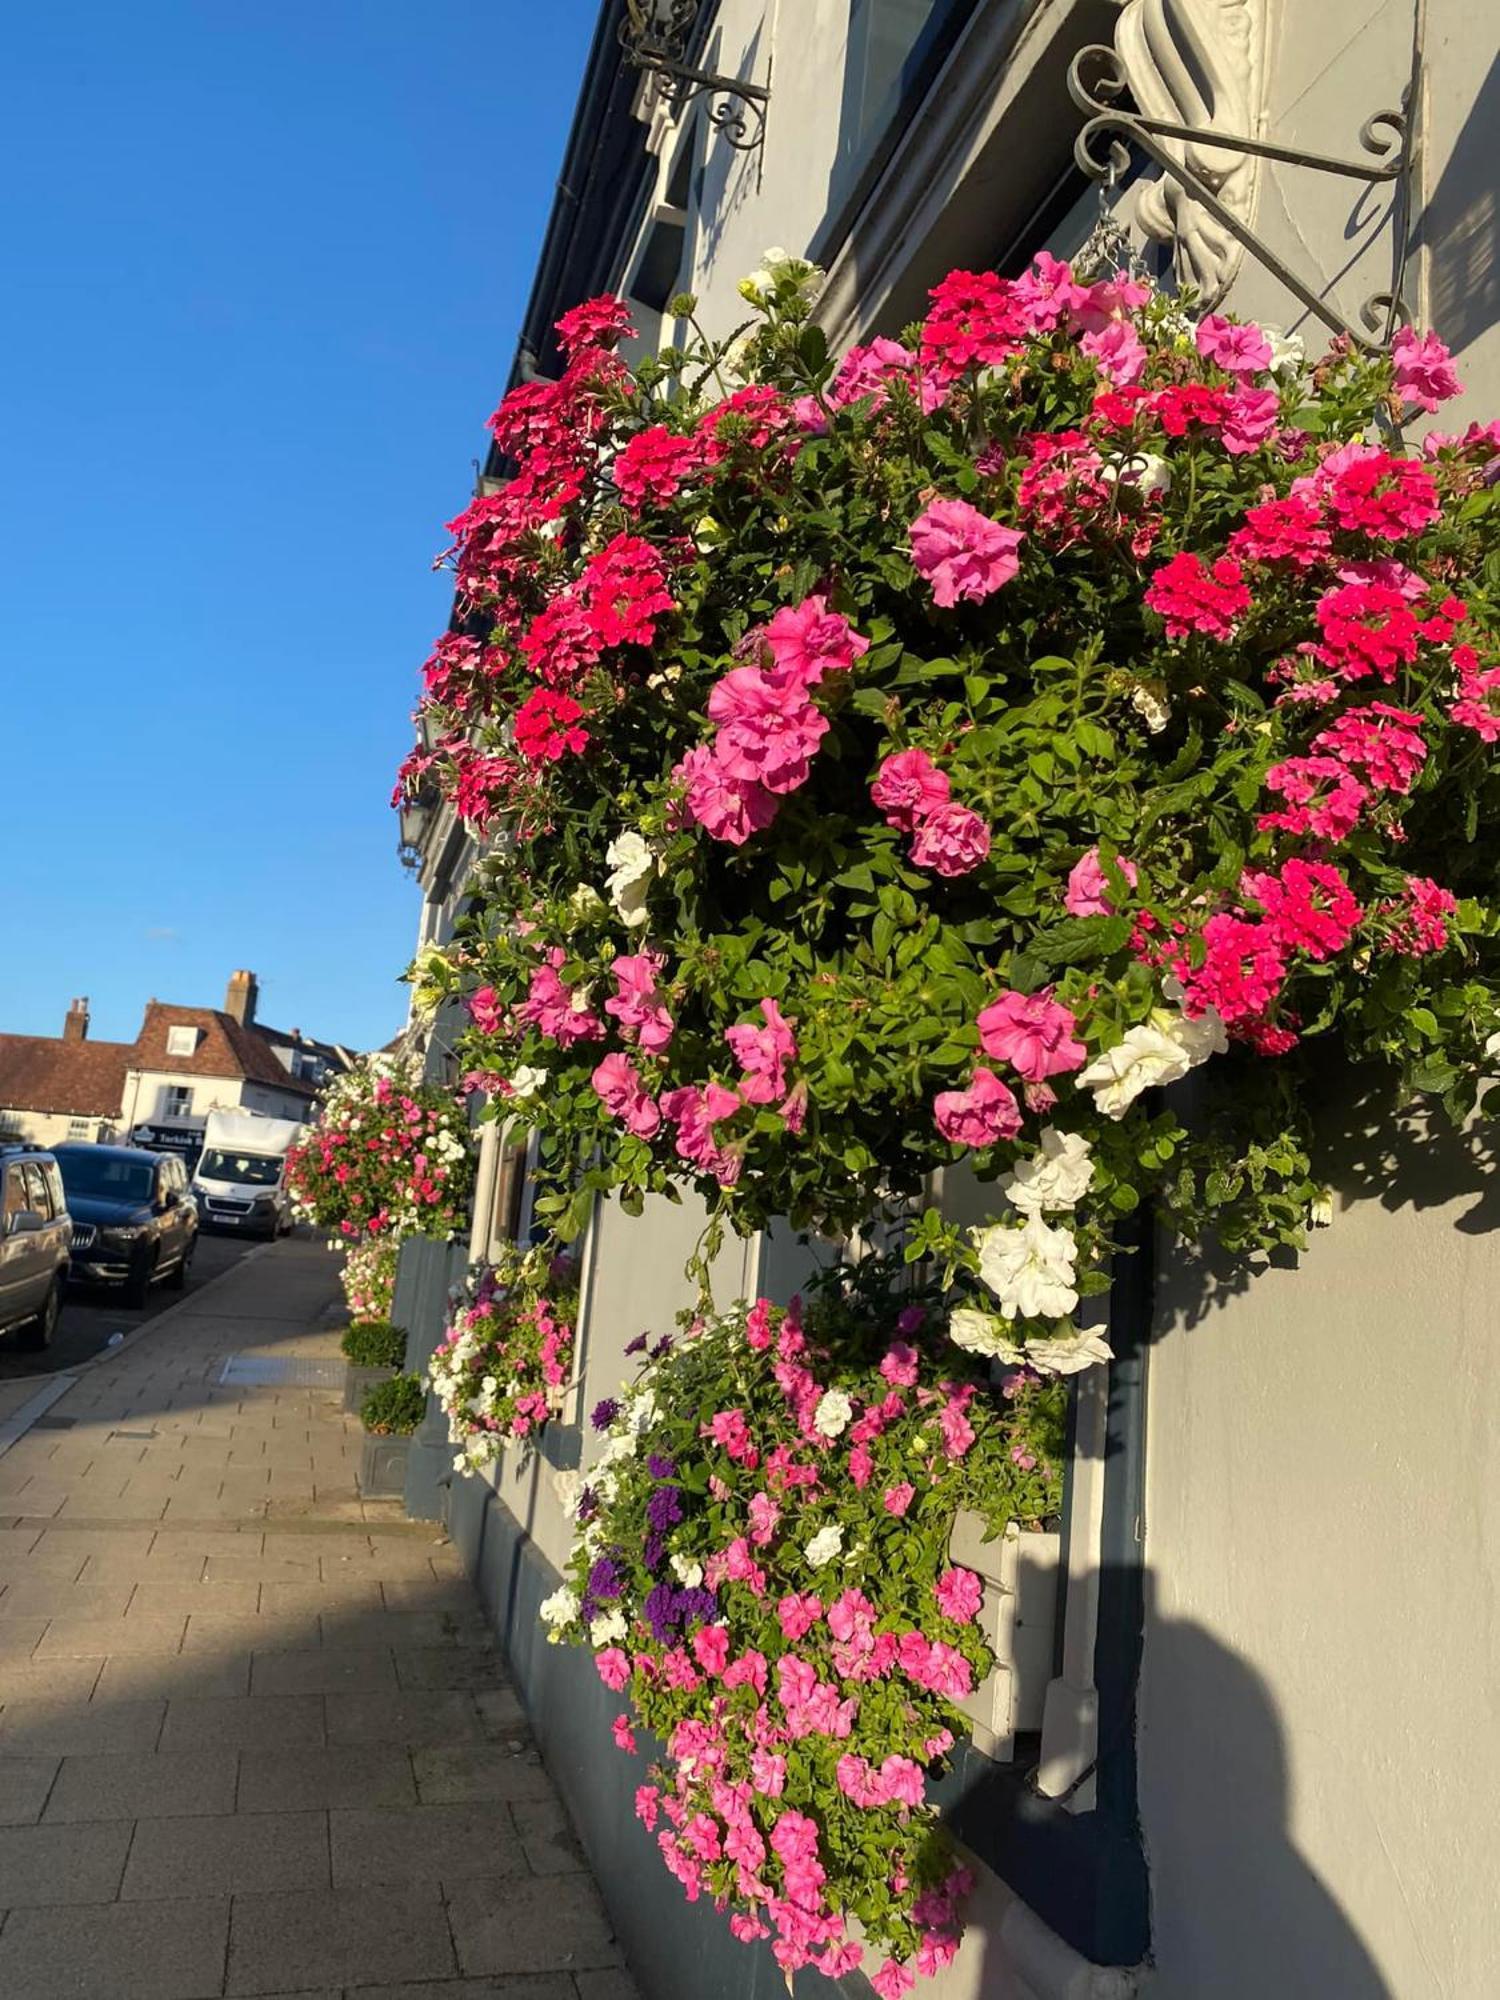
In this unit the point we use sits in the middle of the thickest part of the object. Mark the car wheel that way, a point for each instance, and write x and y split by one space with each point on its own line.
37 1334
177 1277
142 1271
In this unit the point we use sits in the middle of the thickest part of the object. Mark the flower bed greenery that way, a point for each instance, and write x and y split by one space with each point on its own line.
763 1566
925 755
388 1158
500 1369
394 1408
374 1344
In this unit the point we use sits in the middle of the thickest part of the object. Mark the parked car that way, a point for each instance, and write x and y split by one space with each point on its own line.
35 1240
133 1218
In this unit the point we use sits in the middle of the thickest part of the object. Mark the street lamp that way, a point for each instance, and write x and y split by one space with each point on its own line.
655 36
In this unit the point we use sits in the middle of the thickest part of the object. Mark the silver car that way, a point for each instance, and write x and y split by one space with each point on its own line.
36 1236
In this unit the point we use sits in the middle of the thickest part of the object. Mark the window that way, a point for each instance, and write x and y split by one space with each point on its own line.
177 1100
80 1128
38 1193
15 1192
893 46
182 1041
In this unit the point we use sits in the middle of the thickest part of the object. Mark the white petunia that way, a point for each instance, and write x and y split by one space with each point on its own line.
1029 1267
824 1546
608 1630
1149 700
1143 472
982 1333
687 1572
632 864
561 1608
527 1081
1492 1046
1056 1177
568 1486
833 1414
1068 1354
1288 350
1199 1039
1142 1060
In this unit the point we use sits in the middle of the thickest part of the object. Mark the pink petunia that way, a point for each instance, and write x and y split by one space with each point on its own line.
624 1096
1033 1033
612 1667
979 1116
1087 889
963 553
959 1594
907 787
1238 350
810 640
1425 374
896 1499
951 840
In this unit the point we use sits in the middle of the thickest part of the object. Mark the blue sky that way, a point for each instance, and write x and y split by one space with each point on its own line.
264 268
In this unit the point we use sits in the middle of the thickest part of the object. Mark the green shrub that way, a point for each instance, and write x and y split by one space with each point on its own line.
374 1343
394 1408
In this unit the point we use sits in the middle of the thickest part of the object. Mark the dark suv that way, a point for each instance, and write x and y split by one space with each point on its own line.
34 1240
133 1219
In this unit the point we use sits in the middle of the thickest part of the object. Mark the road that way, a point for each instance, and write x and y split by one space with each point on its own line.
90 1316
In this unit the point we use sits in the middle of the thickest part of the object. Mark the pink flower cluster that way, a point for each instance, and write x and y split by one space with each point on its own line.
769 727
779 1676
916 798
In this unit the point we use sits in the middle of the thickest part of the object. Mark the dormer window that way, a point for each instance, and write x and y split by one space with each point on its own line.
182 1041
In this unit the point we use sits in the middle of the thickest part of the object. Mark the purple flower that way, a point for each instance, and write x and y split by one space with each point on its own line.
638 1345
604 1414
664 1508
606 1578
660 1467
658 1609
656 1548
663 1346
588 1504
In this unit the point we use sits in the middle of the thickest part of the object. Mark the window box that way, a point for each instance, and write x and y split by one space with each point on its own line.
1019 1620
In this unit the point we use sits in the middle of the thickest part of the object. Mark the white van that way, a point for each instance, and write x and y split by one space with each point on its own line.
240 1180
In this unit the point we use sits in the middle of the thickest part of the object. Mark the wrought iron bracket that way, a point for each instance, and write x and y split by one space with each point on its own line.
1098 81
654 37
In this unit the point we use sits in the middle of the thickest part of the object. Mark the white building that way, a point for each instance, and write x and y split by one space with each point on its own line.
1268 1755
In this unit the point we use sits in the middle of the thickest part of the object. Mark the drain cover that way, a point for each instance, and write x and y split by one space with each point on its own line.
270 1371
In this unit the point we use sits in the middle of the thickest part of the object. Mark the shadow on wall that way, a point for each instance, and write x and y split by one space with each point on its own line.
1367 1146
1459 229
1238 1913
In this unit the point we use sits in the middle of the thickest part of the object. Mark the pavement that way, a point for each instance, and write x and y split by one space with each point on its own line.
255 1738
93 1314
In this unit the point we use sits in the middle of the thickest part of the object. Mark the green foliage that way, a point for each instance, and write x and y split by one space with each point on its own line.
374 1344
394 1408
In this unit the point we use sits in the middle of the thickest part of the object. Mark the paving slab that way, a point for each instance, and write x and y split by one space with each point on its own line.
536 1925
249 1723
346 1774
357 1936
152 1785
61 1864
115 1951
231 1855
424 1844
25 1783
462 1773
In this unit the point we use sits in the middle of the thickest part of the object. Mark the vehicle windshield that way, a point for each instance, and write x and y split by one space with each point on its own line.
250 1169
105 1177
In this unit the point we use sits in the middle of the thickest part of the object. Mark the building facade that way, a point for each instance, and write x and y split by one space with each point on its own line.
1257 1754
158 1090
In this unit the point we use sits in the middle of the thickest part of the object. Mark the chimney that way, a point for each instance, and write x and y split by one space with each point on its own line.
241 997
76 1022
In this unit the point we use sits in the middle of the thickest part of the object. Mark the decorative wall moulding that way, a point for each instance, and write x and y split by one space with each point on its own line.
1185 85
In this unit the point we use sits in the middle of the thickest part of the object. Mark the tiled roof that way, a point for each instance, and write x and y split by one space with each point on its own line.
225 1048
45 1073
